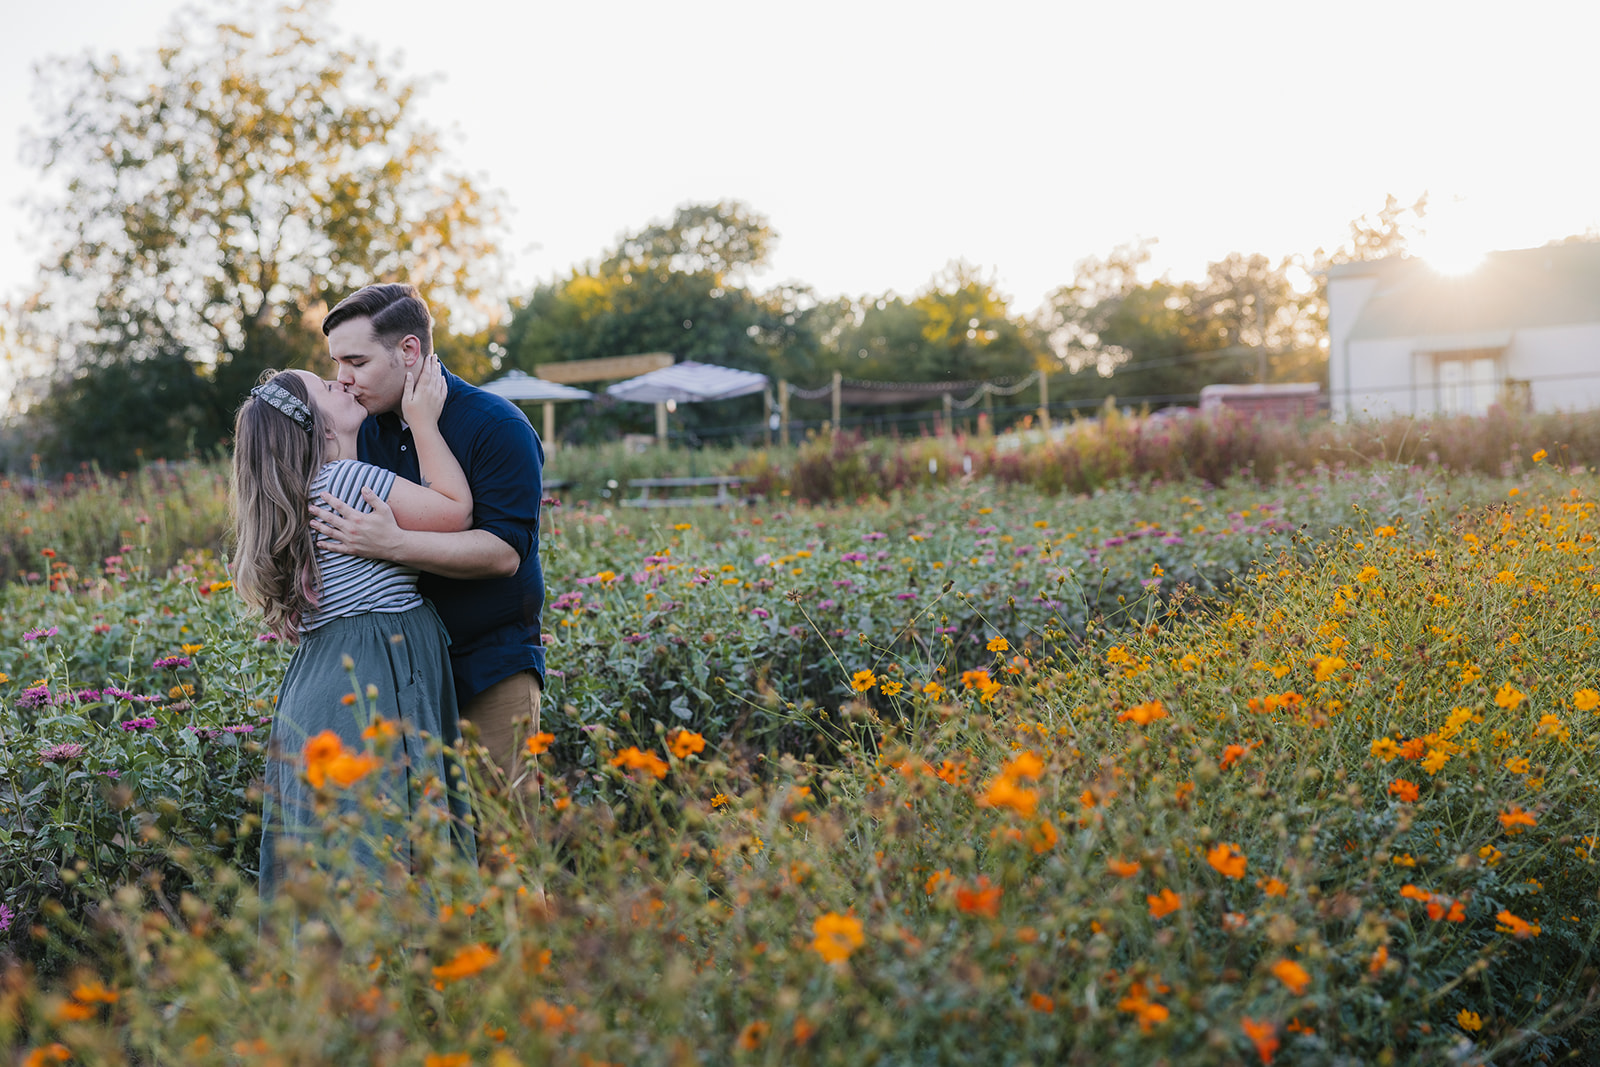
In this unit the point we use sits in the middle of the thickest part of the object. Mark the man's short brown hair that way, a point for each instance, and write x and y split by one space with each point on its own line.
394 309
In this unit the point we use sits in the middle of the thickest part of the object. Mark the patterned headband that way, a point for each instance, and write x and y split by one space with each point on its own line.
286 402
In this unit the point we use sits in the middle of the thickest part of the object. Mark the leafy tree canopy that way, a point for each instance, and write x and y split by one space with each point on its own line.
219 193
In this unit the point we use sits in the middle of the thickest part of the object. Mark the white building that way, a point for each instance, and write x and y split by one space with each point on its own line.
1522 330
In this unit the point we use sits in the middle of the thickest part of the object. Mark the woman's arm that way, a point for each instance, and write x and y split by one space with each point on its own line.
443 502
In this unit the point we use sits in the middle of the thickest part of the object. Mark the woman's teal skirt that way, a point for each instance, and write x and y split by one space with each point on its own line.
416 793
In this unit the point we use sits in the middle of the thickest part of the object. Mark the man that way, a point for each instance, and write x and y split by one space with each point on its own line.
486 582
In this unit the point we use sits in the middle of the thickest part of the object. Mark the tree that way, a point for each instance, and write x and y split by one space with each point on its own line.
219 194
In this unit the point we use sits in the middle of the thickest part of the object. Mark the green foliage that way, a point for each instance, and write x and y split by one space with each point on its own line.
221 193
1344 818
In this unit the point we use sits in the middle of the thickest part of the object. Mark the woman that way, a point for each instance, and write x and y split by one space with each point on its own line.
358 624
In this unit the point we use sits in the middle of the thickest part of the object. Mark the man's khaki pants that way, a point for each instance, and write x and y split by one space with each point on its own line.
506 715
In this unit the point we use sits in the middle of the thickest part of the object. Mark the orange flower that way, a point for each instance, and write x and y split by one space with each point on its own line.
753 1035
686 743
380 730
540 743
997 644
318 752
1405 790
1004 793
837 936
447 1059
54 1052
95 993
1027 765
1122 868
1144 714
1138 1004
803 1030
1043 838
952 772
1163 904
1263 1035
863 680
1228 860
1233 754
982 899
1521 929
464 964
1040 1002
633 759
975 680
346 769
1272 887
1380 959
1292 975
1515 818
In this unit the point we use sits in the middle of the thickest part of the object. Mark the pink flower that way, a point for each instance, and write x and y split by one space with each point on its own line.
34 635
60 753
146 723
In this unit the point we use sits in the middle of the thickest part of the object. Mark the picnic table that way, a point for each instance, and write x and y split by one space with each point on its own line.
684 492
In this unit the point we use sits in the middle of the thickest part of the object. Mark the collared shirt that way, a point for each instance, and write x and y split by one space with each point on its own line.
493 622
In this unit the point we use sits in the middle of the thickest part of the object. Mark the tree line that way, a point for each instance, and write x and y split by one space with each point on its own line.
213 198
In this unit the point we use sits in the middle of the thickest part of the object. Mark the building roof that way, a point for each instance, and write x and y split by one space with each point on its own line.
1558 285
688 383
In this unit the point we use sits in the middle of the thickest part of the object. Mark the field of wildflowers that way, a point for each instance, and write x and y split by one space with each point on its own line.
1290 774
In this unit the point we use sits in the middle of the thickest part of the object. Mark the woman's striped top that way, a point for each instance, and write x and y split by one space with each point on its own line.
352 585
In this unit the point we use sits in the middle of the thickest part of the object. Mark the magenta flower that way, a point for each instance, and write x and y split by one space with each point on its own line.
761 613
62 753
854 557
633 639
269 636
170 662
146 723
34 635
6 918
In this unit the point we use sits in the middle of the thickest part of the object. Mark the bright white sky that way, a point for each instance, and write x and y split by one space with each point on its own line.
885 139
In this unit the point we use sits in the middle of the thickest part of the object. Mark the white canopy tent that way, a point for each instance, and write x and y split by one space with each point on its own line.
686 383
516 385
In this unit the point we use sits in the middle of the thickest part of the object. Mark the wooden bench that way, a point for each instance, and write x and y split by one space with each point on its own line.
690 497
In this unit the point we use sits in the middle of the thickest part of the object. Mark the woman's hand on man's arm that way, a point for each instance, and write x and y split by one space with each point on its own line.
376 535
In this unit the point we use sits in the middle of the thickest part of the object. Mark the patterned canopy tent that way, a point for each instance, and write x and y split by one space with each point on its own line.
689 383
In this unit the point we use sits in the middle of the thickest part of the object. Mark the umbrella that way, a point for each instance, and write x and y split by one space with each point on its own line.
689 383
519 386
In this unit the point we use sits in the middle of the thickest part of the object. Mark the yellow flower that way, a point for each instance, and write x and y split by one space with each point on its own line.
1327 668
863 681
1508 697
1469 1020
1436 760
891 688
190 650
1586 700
1518 765
934 690
997 644
1385 749
1367 574
1538 457
837 936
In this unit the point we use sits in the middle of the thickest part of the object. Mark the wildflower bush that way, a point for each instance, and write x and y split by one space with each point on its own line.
1341 811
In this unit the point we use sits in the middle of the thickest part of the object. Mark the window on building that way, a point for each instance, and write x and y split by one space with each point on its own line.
1469 382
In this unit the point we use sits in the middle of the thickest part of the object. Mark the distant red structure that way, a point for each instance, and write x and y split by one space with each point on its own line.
1284 401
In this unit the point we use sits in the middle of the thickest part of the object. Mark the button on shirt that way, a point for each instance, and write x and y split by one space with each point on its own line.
493 622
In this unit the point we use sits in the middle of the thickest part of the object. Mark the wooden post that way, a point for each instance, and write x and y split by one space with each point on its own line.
549 425
661 424
1044 401
766 413
949 414
838 387
783 413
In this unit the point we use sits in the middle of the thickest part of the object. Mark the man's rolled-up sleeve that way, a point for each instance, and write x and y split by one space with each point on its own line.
507 483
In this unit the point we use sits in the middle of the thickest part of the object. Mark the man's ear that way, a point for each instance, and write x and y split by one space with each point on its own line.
410 350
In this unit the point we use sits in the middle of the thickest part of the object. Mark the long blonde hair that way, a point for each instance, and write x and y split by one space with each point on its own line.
274 459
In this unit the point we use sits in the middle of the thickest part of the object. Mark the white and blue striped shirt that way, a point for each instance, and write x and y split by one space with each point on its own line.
352 585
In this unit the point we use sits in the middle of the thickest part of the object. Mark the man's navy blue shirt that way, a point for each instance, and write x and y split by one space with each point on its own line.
493 622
